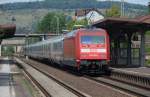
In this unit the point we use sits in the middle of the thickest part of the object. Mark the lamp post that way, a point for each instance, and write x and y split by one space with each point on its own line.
149 7
57 21
122 8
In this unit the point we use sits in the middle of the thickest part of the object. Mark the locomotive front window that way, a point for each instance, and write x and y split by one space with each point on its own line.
92 39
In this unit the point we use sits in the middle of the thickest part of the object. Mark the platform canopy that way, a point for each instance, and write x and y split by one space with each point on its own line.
7 31
122 32
125 24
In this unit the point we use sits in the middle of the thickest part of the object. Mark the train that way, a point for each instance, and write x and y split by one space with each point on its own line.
85 50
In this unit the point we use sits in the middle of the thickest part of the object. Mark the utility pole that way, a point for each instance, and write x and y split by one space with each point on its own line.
122 8
149 7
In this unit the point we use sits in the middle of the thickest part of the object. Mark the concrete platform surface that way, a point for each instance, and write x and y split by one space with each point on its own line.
140 70
6 88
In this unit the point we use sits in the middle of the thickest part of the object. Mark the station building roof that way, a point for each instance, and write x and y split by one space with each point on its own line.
125 24
145 19
7 30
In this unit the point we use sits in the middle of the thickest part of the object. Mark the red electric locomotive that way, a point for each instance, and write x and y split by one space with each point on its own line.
83 49
87 50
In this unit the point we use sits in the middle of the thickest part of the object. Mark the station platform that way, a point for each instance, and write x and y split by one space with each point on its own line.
12 81
6 85
139 70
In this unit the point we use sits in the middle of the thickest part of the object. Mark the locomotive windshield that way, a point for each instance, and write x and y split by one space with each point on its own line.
92 39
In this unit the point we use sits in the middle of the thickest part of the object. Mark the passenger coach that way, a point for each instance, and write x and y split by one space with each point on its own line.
84 49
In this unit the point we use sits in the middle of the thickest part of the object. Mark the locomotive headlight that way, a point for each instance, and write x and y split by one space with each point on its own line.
77 60
84 55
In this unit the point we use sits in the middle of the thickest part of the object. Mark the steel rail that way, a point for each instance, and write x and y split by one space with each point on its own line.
107 81
68 87
136 79
36 83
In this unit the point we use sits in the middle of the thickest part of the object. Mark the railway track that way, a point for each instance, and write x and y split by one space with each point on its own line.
117 80
128 87
28 76
90 88
132 82
68 87
134 78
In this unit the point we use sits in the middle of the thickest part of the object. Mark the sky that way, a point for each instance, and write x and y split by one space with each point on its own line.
12 1
143 2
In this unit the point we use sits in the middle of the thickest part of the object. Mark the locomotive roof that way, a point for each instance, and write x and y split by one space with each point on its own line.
70 34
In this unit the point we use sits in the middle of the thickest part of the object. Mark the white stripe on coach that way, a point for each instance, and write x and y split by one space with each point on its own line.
93 50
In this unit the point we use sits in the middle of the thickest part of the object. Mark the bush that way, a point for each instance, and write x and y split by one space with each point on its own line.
7 51
148 62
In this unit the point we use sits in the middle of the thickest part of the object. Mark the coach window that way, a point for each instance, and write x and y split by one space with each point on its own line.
49 45
59 46
54 46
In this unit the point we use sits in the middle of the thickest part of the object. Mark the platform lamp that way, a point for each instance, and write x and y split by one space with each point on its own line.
122 8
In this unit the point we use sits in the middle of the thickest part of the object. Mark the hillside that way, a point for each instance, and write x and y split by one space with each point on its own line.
26 15
25 19
68 4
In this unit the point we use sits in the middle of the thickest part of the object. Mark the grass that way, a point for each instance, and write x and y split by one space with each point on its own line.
148 63
147 49
28 86
148 33
24 18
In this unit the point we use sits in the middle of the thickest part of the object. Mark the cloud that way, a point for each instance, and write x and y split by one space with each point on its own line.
143 2
12 1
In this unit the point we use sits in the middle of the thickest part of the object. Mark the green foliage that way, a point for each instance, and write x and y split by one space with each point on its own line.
31 40
8 50
114 11
148 63
148 33
1 33
52 23
72 23
68 4
147 49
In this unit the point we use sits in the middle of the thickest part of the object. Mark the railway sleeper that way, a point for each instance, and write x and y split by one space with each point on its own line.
131 78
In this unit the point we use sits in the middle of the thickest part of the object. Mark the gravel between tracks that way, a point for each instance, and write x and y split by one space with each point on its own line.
87 86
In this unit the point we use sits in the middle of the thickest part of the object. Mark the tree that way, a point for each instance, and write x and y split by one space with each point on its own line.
52 22
55 23
72 23
114 11
8 50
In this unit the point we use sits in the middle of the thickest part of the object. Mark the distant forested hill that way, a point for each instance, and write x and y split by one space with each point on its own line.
27 15
68 4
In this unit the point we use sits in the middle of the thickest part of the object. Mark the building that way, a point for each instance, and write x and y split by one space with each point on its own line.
92 15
